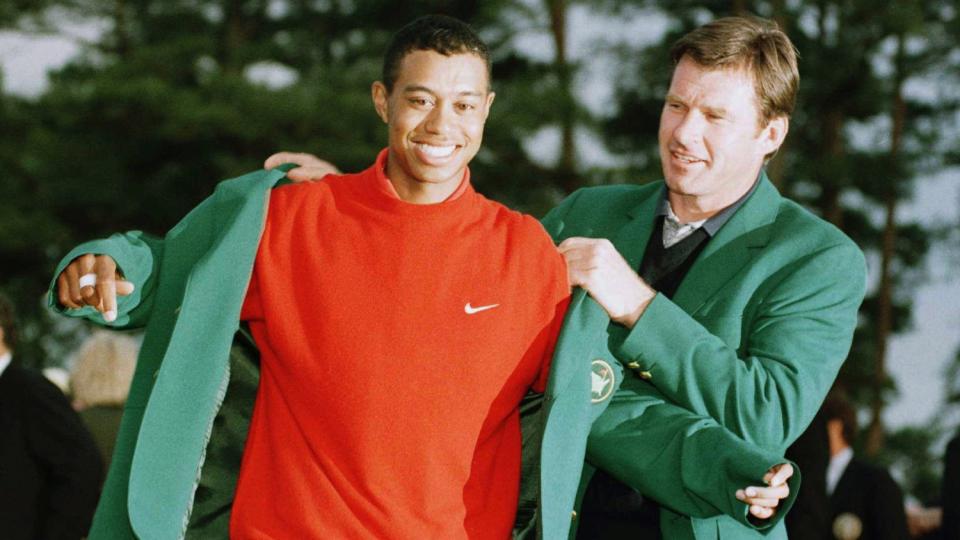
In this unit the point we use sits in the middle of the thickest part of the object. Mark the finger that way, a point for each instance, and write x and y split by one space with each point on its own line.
108 293
124 287
782 473
72 275
774 492
575 242
63 292
107 287
85 264
299 158
760 512
310 174
766 503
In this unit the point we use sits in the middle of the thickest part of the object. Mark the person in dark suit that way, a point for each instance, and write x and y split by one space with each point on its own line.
865 501
808 519
49 465
950 492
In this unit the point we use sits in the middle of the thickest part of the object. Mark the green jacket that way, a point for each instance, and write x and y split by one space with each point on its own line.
181 437
752 340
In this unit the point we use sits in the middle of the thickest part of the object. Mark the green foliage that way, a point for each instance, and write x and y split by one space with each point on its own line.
909 451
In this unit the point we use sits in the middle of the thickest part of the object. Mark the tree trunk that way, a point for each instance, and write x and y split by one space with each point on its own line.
884 313
567 165
121 37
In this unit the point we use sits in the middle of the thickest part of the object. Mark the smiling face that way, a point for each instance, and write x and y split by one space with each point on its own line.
712 143
435 114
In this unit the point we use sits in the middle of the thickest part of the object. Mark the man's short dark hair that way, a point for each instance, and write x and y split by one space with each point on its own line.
838 407
8 321
438 33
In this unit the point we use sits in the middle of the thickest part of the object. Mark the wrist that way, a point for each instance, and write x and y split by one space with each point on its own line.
642 299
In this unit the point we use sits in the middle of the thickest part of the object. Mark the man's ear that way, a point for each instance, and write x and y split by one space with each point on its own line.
488 104
380 102
773 135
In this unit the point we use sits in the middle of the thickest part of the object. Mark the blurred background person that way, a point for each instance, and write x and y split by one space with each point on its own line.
865 501
950 490
809 517
100 381
50 469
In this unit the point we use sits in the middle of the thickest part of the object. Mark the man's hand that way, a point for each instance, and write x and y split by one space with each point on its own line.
763 501
92 280
310 166
596 266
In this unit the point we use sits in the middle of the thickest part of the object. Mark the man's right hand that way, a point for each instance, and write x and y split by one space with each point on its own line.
310 166
92 280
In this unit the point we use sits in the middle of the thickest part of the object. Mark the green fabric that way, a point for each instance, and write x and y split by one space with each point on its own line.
740 360
210 517
188 291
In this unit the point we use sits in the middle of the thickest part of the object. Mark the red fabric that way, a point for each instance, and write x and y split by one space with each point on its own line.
385 410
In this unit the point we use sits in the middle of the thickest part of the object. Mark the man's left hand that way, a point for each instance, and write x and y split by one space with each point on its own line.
763 501
595 265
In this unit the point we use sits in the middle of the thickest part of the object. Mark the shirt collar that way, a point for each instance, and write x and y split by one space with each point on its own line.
835 468
5 359
386 186
713 224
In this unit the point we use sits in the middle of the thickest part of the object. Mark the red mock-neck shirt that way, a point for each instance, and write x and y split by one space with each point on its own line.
396 342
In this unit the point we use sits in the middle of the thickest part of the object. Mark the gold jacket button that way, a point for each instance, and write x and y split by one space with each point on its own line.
634 365
645 375
573 515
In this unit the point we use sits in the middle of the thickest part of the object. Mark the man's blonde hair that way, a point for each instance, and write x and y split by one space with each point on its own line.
757 46
103 369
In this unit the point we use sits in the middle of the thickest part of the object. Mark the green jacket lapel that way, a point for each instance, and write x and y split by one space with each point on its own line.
193 375
631 240
735 244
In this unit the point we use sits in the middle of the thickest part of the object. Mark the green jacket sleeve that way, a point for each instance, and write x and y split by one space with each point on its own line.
687 462
137 256
792 348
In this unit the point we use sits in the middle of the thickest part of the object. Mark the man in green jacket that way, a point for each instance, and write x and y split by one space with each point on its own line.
175 469
717 294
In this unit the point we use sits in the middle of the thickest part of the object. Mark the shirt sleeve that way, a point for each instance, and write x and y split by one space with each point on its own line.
547 340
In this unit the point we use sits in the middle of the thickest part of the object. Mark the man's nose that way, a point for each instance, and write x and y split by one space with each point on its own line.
690 128
441 119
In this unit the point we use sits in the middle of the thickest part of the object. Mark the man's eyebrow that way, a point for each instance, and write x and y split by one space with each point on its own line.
417 88
421 88
716 111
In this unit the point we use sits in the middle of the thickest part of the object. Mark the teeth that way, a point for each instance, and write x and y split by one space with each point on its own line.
686 159
436 151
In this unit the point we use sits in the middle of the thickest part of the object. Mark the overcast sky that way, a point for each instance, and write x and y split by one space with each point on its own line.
916 359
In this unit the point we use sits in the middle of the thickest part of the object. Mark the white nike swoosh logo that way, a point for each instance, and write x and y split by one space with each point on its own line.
470 310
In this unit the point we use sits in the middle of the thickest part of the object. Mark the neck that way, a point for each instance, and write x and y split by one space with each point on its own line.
4 349
415 191
689 207
837 447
